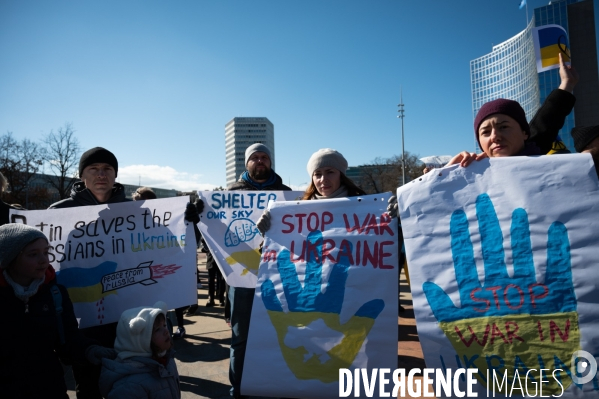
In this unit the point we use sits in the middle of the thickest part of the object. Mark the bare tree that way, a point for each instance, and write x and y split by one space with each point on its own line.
62 154
385 174
19 162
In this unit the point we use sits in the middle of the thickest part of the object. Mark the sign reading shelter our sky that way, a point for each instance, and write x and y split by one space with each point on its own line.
117 256
228 225
326 297
502 259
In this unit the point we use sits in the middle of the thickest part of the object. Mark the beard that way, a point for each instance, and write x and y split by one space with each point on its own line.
259 172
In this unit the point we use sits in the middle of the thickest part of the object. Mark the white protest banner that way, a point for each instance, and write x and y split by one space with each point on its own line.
228 225
502 258
118 256
326 298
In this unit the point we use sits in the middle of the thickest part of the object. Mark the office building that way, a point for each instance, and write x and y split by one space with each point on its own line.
240 133
509 71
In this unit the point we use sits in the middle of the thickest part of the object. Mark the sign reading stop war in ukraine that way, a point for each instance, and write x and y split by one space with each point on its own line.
503 259
118 256
326 297
228 225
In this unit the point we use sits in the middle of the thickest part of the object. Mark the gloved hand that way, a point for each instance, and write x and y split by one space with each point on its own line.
199 205
392 207
95 353
263 224
191 213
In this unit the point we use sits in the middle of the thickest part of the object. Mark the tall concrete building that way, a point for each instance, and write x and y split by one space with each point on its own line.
509 71
240 133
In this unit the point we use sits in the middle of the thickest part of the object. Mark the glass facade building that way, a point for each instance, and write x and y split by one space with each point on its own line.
240 133
509 71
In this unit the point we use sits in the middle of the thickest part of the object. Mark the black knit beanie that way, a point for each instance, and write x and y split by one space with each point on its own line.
503 106
98 155
583 135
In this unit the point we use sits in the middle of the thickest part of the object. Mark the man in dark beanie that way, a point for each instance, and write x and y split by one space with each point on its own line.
98 169
258 176
586 140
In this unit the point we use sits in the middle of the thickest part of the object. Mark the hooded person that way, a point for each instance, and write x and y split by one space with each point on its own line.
44 329
144 367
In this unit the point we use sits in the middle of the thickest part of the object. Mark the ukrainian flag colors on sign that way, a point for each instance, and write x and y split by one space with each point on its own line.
549 42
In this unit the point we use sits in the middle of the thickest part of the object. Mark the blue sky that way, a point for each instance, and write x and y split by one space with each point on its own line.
156 82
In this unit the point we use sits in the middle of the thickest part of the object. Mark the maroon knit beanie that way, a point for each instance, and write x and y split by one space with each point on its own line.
501 106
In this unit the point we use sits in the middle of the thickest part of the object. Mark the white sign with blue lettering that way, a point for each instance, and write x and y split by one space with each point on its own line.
228 225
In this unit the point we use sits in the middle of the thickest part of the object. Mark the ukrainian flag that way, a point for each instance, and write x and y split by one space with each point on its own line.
552 40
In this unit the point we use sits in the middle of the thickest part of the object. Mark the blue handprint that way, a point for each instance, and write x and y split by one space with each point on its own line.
309 306
506 320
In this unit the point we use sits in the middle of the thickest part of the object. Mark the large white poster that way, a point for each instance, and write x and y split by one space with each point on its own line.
503 266
326 297
228 225
117 256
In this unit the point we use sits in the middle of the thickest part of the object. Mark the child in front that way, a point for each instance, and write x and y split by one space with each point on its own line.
145 366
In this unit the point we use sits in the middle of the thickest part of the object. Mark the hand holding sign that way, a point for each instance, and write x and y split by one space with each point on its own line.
523 324
309 305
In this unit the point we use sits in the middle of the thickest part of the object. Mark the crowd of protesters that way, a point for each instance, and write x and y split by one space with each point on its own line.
134 357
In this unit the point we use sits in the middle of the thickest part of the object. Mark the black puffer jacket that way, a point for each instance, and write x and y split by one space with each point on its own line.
30 350
81 196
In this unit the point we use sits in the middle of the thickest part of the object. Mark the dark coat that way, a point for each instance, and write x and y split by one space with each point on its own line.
81 196
30 350
245 185
550 118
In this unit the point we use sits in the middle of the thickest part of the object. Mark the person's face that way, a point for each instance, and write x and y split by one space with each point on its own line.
327 180
259 166
501 136
31 264
99 179
161 338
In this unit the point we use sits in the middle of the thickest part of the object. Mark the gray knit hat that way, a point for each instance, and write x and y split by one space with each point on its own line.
13 238
327 157
258 147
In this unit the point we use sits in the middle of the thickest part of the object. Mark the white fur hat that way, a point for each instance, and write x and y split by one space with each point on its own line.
327 157
134 331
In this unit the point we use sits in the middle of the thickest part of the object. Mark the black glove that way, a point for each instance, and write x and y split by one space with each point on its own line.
199 205
191 213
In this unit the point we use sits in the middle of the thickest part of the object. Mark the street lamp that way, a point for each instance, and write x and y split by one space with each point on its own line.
403 154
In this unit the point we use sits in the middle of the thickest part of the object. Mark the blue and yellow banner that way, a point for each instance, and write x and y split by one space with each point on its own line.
549 42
